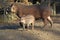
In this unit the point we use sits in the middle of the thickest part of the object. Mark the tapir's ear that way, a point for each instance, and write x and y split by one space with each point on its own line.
11 4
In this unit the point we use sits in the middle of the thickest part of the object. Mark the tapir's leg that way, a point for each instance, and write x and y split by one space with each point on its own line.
23 26
45 22
27 26
33 26
50 20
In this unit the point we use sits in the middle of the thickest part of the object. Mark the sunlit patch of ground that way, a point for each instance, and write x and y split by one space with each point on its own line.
36 34
9 31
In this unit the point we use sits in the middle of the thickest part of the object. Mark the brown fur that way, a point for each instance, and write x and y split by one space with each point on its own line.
36 10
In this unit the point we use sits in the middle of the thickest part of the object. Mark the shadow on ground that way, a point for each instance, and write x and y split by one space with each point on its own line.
10 26
39 33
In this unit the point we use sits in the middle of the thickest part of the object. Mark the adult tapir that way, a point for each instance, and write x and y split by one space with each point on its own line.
36 10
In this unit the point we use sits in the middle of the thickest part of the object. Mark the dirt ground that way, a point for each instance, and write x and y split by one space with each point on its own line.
10 32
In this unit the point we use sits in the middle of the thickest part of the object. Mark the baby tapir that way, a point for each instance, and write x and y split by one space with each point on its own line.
27 20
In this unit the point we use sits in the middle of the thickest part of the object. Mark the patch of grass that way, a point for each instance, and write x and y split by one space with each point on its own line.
8 18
